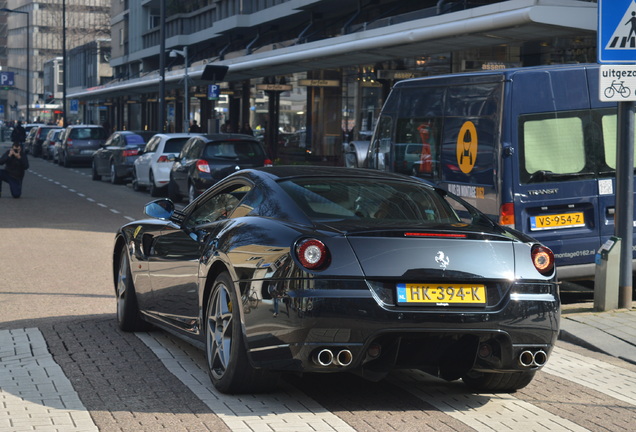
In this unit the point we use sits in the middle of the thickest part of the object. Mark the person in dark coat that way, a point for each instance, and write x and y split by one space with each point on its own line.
195 127
18 135
16 163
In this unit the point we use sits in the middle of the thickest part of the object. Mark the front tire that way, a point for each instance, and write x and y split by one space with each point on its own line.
498 382
228 366
173 191
128 316
192 193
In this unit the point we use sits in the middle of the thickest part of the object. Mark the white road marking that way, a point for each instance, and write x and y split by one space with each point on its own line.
484 412
603 377
285 410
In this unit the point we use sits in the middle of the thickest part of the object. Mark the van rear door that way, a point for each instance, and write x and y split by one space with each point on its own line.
556 182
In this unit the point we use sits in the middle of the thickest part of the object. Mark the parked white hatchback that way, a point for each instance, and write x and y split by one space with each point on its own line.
152 167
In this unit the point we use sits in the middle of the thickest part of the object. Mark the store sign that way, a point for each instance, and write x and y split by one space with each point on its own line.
274 87
397 74
318 83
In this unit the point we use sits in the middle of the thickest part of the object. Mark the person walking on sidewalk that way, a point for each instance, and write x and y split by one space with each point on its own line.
18 135
16 163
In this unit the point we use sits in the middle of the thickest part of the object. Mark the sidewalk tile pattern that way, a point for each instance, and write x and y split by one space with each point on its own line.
34 392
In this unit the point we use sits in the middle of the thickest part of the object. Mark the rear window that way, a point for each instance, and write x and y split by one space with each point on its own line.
174 145
234 150
567 145
136 139
88 133
377 203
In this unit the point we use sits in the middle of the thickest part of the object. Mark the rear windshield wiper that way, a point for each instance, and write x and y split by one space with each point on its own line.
545 175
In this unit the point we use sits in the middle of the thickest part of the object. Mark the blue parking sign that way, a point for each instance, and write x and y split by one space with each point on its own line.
74 106
616 31
214 92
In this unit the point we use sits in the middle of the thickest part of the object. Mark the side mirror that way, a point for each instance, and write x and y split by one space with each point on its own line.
162 209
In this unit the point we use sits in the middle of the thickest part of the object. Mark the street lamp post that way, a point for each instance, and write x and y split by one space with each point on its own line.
28 59
186 96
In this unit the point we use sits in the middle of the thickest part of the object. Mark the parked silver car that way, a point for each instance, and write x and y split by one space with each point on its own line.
79 142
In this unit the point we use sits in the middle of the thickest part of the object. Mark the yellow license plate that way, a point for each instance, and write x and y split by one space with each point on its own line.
441 294
563 220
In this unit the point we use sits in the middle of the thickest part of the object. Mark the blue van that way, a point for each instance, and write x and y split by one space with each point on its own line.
532 147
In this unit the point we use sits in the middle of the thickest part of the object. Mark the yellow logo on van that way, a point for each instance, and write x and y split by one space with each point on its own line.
467 147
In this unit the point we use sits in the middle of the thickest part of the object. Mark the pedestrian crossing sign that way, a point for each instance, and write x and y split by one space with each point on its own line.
616 31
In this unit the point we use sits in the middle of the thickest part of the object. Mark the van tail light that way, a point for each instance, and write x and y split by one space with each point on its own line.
268 163
131 152
543 259
202 165
163 158
313 254
69 143
507 215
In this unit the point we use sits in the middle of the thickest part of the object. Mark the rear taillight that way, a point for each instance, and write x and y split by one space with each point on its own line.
133 152
507 215
543 259
312 254
69 143
203 166
268 163
163 158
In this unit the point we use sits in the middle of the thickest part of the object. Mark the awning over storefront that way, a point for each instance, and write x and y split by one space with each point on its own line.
510 22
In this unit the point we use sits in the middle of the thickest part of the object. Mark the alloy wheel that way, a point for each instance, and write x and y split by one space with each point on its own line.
219 331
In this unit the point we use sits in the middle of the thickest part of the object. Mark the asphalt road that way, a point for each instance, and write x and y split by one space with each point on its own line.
55 256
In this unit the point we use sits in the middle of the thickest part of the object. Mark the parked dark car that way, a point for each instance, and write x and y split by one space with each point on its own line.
79 142
327 269
115 159
39 135
206 159
30 129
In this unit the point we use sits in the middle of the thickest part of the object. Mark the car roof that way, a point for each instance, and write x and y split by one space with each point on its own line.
227 136
283 172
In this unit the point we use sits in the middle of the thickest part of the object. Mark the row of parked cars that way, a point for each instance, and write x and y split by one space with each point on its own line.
180 165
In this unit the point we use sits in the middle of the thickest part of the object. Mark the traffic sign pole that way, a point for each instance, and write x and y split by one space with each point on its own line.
617 45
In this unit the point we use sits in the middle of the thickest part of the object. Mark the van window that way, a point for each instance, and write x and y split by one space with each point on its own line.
379 149
416 146
609 140
562 146
554 144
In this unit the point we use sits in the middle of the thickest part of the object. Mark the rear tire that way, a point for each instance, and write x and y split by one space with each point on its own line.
113 174
498 382
154 190
228 365
94 175
135 182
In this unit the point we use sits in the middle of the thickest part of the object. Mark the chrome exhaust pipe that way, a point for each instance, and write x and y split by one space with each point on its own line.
540 358
526 359
344 358
324 357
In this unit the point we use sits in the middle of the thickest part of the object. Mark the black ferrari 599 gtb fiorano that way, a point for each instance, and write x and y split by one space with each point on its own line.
323 269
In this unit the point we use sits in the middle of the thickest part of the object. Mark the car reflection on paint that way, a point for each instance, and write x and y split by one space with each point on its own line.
322 269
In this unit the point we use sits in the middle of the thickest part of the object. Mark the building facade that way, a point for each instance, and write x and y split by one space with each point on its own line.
309 75
45 26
